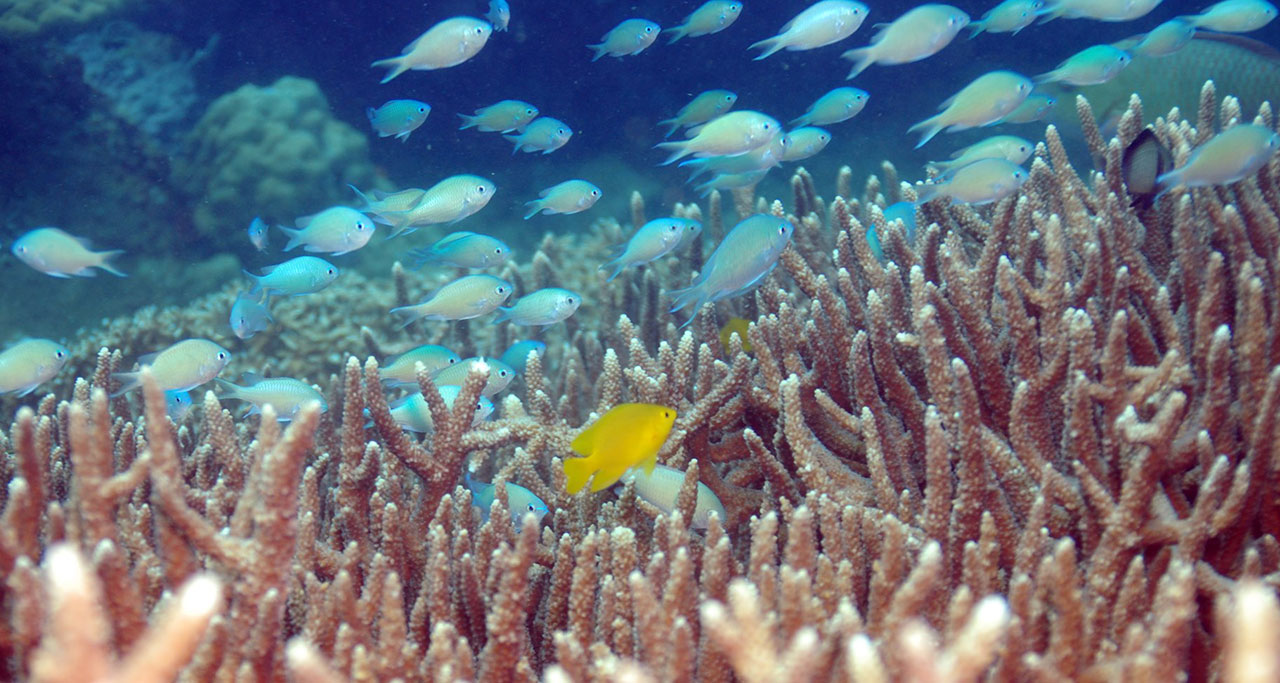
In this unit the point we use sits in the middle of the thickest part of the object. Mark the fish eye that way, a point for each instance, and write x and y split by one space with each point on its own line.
502 373
421 109
648 29
666 413
530 111
481 189
58 353
331 271
531 507
500 289
560 131
569 299
595 193
222 355
479 30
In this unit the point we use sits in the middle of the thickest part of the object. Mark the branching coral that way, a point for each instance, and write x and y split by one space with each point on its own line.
1037 443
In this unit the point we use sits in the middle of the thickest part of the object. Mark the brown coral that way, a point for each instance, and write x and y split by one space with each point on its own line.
1037 443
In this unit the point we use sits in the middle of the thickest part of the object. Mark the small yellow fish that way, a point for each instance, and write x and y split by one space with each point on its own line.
736 326
629 434
30 363
181 367
448 43
61 254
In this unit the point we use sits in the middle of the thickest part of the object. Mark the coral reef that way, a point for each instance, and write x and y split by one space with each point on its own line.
273 150
1038 443
26 18
146 76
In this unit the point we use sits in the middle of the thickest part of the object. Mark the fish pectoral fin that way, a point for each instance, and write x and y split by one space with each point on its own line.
649 463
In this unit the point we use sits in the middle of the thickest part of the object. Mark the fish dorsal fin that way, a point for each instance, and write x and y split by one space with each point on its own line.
585 443
399 402
303 221
251 378
148 358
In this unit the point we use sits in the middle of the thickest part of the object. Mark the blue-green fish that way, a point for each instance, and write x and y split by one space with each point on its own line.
177 404
745 256
388 202
500 374
712 16
398 118
499 14
1011 148
737 132
1161 41
839 104
981 182
448 43
761 158
517 355
501 117
544 135
258 233
983 102
182 367
802 143
1036 107
250 315
916 35
1090 66
337 230
301 275
1009 17
706 106
402 368
448 201
570 196
412 413
1234 16
1099 10
520 500
905 212
1234 154
661 487
30 363
819 24
463 250
546 306
61 254
630 37
651 242
470 296
285 394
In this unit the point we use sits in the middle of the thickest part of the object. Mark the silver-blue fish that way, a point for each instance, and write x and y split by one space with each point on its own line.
520 500
652 241
546 306
301 275
250 315
258 233
517 355
463 250
402 368
745 256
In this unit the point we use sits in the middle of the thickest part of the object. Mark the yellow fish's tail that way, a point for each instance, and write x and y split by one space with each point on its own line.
578 472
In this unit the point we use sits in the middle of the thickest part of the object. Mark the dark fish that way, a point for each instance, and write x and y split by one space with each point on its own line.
1239 66
1144 160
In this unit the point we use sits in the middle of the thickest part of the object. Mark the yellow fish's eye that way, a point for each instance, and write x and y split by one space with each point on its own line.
666 413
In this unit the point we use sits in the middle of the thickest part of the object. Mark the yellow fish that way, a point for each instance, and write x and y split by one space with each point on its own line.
735 326
629 434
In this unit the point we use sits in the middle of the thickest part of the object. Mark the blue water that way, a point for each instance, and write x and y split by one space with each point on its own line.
54 128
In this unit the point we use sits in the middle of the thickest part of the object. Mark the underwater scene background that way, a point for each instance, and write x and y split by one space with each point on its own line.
966 429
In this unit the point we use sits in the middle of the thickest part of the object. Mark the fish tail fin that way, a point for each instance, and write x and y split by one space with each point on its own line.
927 193
504 313
422 257
930 127
770 45
408 314
256 290
674 123
1045 77
576 471
105 261
599 50
802 120
128 382
536 206
371 112
680 148
232 390
617 265
977 27
395 64
862 58
467 121
295 237
677 32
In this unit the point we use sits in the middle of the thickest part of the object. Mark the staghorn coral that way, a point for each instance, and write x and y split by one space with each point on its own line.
1035 444
276 148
